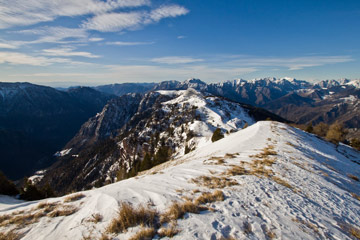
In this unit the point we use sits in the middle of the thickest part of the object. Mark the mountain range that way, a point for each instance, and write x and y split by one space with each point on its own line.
54 117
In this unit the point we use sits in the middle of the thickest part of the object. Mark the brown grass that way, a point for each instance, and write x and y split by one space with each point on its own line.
270 234
237 170
69 210
230 155
282 182
169 231
207 197
353 177
129 216
214 182
177 210
96 218
74 197
307 224
144 234
355 196
11 235
355 232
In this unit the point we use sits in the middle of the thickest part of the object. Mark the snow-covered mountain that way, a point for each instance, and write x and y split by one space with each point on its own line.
161 124
268 181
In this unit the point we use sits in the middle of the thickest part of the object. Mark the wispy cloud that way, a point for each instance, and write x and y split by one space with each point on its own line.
8 46
166 12
96 39
67 52
55 35
176 60
23 59
16 58
295 63
116 22
120 43
181 37
28 12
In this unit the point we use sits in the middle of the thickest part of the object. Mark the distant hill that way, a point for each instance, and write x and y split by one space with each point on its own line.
37 121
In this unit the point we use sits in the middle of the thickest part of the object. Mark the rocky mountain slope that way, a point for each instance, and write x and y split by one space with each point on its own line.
36 121
299 101
157 126
268 181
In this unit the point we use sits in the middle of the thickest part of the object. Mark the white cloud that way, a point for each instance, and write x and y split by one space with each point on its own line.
28 12
67 52
176 60
181 37
116 22
295 63
96 39
167 11
55 34
119 43
24 59
15 58
8 46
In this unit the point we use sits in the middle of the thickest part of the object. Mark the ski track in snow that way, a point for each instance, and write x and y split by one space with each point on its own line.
316 169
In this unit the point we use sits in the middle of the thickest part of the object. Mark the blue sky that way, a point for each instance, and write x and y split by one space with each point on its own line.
89 42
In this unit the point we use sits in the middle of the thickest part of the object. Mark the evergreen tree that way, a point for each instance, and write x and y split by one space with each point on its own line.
6 186
146 162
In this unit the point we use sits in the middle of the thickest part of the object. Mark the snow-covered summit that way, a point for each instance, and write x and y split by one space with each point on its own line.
277 183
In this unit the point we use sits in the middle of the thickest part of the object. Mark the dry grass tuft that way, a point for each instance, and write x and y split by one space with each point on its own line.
207 197
270 234
144 234
353 231
307 224
282 182
129 217
96 218
353 177
230 155
74 197
169 231
177 210
214 182
9 236
237 170
63 211
355 196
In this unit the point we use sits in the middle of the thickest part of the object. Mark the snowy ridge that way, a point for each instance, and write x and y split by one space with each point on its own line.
313 200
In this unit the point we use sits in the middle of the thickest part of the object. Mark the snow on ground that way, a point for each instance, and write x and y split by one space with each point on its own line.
313 200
